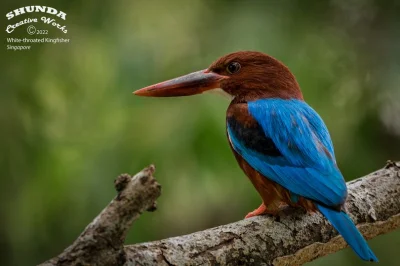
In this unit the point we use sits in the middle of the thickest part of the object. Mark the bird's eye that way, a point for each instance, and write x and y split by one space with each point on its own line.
233 67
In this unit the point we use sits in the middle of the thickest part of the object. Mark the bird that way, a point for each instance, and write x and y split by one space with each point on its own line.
279 141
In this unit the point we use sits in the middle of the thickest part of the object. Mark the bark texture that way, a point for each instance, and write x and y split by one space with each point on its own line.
102 241
292 238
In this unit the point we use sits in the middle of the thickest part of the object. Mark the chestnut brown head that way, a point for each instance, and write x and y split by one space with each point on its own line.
246 75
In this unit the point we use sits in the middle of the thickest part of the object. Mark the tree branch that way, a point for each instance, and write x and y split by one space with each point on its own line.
101 243
292 238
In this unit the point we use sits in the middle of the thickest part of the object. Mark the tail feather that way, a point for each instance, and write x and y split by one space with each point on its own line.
345 226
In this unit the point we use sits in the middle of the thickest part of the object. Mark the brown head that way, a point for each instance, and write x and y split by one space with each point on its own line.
244 75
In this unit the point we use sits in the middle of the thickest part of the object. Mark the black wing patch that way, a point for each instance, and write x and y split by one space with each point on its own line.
253 138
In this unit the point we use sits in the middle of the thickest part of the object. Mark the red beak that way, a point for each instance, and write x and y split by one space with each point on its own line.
190 84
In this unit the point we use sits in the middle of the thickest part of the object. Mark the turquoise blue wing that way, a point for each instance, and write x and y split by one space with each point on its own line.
303 160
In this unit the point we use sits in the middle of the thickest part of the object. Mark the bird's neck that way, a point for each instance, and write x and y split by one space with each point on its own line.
254 95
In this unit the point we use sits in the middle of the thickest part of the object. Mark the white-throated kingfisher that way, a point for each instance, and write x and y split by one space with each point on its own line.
279 141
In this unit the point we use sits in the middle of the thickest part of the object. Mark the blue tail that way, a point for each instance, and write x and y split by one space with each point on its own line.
345 226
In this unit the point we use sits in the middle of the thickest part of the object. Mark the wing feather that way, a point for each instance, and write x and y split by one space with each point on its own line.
307 165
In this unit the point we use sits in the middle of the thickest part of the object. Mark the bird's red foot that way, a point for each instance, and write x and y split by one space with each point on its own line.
259 211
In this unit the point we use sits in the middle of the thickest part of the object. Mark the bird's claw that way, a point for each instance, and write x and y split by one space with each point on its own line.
259 211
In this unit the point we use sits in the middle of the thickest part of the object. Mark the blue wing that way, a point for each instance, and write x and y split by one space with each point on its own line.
305 164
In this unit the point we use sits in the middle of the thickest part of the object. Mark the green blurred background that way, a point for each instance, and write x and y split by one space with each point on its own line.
70 125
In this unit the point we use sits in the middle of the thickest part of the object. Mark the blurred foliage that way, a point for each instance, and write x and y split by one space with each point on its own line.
69 124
